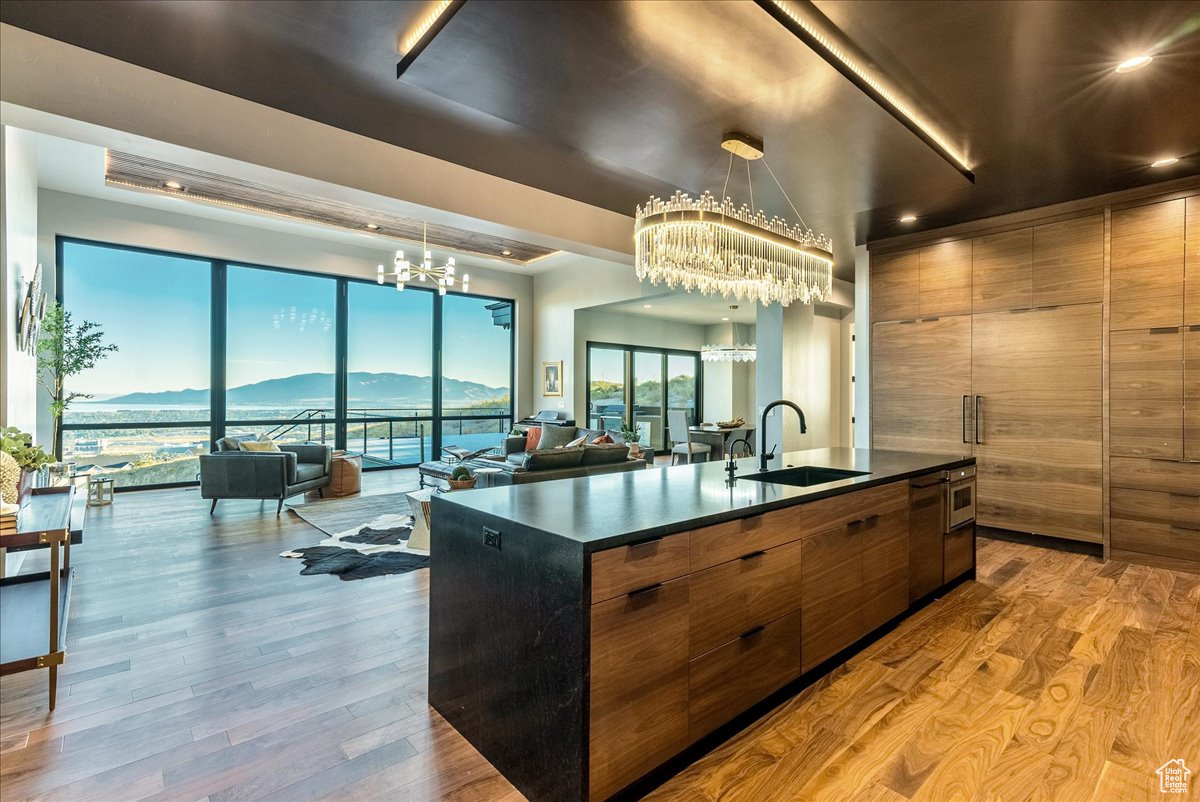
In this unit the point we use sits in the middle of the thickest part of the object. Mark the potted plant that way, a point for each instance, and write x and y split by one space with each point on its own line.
65 349
29 458
461 479
631 438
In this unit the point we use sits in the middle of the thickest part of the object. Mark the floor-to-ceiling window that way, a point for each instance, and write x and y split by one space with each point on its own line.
148 416
476 370
389 360
208 348
640 387
280 348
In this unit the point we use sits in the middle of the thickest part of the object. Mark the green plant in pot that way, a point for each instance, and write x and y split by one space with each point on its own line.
66 349
24 458
630 436
461 478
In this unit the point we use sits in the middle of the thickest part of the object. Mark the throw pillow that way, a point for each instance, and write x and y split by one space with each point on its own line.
532 437
259 445
602 439
605 454
229 444
555 436
578 441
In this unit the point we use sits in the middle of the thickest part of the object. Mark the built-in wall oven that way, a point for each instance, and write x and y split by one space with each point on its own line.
960 497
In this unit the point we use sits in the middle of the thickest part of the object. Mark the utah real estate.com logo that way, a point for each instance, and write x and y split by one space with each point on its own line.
1173 777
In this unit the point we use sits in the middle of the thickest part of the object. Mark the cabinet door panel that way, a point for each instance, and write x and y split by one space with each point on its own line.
1146 278
1145 380
884 567
1191 390
895 285
1191 275
639 685
1002 271
1068 262
1038 378
832 594
946 278
920 373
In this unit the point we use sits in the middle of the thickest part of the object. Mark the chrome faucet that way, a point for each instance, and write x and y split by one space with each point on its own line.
731 468
763 456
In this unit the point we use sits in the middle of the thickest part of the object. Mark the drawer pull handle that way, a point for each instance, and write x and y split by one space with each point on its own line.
646 589
752 555
644 543
864 520
750 633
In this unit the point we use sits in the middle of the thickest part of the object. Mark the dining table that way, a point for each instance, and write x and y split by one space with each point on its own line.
719 438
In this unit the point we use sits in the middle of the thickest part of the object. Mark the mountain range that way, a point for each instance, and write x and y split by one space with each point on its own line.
316 389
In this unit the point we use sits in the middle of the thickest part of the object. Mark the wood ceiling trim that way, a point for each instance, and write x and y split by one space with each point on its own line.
128 171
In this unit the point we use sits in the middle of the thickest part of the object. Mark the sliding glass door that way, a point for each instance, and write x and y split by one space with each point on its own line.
638 387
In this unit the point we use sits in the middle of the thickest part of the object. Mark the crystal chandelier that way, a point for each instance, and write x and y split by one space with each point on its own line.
717 248
738 352
424 271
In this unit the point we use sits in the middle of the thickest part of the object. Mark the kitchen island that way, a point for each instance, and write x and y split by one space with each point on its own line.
584 632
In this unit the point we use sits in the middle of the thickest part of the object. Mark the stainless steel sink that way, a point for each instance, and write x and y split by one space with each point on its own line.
804 476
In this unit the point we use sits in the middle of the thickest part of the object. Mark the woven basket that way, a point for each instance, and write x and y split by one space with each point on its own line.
462 484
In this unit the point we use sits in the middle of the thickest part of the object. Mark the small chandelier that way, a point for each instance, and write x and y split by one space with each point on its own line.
423 271
718 249
738 352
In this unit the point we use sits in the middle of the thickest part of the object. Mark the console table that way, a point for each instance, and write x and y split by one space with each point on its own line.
34 607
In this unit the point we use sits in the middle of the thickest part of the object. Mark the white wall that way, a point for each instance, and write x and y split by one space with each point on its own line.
728 386
18 244
862 349
557 295
814 376
88 218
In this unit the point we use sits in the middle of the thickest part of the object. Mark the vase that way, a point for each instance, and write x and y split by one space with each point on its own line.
635 450
25 487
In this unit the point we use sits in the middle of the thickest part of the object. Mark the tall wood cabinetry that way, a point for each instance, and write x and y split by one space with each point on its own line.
1108 288
1014 377
1154 382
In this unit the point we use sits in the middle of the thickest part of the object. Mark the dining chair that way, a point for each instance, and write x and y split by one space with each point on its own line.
681 438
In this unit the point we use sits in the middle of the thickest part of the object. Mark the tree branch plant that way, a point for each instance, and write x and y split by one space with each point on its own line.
65 349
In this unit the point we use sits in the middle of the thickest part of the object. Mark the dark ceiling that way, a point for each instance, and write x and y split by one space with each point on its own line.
609 102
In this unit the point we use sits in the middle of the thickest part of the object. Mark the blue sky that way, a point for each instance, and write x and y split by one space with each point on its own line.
156 308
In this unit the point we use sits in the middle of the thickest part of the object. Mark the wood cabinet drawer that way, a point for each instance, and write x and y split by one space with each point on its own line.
625 568
720 543
639 684
830 513
1155 474
1174 509
728 680
1156 538
731 598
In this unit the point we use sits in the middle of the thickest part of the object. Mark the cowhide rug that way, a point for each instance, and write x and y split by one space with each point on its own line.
375 548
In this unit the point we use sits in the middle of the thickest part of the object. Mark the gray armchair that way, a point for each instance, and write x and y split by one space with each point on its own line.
231 473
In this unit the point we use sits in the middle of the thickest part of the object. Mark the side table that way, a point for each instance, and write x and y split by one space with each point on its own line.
490 473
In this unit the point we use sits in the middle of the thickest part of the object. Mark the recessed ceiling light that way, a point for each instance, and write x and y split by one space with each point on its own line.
373 226
173 185
506 253
646 306
724 318
1165 162
908 218
1134 63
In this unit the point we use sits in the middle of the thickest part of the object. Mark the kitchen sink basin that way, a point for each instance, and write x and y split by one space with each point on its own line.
805 476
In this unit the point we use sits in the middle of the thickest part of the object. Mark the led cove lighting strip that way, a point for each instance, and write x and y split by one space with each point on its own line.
426 24
814 35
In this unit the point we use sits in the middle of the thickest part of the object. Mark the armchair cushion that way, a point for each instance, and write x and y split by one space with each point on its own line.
318 454
307 471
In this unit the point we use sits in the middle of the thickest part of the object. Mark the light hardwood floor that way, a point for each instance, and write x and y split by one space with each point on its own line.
203 666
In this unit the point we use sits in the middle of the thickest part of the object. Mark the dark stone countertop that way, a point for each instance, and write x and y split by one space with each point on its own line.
610 510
